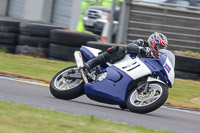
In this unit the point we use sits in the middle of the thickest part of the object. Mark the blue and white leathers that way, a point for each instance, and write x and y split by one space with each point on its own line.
113 88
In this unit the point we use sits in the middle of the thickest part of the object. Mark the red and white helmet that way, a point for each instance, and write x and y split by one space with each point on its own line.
157 41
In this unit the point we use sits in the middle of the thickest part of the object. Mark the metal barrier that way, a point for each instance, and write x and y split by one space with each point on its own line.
182 27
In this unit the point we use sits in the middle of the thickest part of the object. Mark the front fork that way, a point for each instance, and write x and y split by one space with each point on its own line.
146 87
80 64
149 80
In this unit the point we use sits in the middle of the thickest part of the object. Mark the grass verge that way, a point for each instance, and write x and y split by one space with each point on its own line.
18 118
185 93
36 68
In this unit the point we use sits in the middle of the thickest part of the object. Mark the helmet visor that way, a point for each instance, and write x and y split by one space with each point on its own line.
160 47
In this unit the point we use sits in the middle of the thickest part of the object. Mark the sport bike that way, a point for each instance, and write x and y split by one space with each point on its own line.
134 83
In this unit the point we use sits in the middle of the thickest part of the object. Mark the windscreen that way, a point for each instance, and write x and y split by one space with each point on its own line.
170 56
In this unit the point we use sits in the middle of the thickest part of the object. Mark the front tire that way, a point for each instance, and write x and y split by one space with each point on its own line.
139 103
67 89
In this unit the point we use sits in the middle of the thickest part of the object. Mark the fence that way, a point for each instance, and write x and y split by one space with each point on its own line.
182 27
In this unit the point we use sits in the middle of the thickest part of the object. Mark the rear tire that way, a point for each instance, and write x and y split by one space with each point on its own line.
60 87
155 98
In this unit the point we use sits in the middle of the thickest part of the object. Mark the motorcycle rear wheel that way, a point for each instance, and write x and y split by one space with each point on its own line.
139 103
67 89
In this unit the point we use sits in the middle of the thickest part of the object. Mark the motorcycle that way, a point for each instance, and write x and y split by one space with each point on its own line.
134 83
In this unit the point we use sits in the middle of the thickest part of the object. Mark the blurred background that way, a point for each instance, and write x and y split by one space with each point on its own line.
59 27
178 19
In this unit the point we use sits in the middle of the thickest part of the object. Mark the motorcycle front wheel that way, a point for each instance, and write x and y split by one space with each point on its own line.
156 96
63 88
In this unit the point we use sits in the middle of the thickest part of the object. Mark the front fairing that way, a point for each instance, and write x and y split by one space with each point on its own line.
112 90
161 67
133 66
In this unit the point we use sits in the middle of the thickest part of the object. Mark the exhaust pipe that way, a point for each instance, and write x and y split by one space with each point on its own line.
80 64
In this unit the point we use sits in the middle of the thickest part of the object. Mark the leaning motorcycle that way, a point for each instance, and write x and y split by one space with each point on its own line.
134 83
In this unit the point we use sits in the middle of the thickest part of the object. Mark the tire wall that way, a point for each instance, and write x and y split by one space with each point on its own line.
8 35
64 43
187 67
33 39
53 42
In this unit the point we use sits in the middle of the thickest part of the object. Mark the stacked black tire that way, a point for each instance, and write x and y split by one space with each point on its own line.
102 46
99 45
63 43
8 35
187 67
34 39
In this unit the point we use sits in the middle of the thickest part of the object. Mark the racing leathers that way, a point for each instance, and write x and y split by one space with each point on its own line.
115 53
140 48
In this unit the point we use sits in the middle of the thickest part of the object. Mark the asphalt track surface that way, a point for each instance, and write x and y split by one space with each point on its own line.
181 121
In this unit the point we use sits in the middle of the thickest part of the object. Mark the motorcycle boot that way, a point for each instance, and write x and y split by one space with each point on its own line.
100 59
112 55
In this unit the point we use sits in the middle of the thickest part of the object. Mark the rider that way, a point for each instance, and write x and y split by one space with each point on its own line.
146 49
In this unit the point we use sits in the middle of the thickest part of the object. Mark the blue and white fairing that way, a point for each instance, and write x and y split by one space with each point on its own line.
163 67
113 88
89 52
138 67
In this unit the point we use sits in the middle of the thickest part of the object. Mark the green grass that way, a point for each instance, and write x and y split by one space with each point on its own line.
185 93
18 118
191 53
35 67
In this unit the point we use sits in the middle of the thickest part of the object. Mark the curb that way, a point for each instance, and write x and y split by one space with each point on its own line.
21 76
